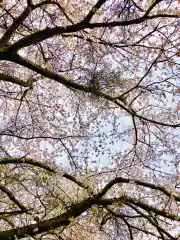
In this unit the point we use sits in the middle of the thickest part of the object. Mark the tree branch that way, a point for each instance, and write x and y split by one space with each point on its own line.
94 9
49 224
77 209
41 35
15 80
159 228
22 17
13 213
85 88
151 7
13 198
29 161
140 183
82 185
138 203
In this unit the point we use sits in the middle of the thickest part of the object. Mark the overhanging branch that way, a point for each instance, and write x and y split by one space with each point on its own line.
49 224
13 198
41 35
77 209
6 160
15 80
85 88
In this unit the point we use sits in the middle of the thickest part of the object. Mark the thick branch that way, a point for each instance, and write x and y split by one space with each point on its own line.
157 226
81 184
140 183
152 6
85 88
15 80
49 74
140 204
49 224
13 198
75 211
39 36
17 22
104 190
94 9
30 161
21 18
12 213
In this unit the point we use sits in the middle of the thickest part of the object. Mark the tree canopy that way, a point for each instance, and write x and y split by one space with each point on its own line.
89 133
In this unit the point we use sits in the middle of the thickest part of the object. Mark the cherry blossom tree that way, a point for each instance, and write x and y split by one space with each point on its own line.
89 134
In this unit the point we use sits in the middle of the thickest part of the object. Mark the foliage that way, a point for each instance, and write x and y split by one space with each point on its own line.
89 98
